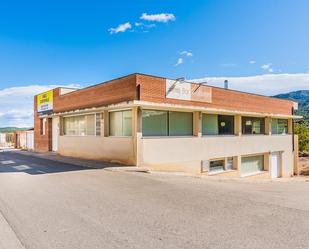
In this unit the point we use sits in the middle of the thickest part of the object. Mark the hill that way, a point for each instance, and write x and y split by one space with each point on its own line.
302 97
11 129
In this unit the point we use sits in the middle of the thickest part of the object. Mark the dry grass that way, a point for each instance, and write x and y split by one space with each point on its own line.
304 166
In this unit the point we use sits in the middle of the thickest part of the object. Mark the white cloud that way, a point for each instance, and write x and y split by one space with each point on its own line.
120 28
268 67
16 104
266 84
186 53
143 27
163 17
179 62
252 62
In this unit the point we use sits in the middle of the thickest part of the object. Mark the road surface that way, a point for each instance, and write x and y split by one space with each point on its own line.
53 205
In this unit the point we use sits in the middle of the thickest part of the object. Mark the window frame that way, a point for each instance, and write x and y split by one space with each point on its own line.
225 165
109 122
168 124
218 126
166 121
279 119
252 119
78 115
263 166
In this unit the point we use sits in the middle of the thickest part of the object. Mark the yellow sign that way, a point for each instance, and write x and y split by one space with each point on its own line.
45 102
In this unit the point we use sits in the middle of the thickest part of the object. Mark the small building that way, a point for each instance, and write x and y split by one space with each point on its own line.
170 125
24 139
7 140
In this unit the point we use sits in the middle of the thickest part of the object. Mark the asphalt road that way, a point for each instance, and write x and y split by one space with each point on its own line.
53 205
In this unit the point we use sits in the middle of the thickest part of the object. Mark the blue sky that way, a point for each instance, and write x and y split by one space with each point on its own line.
86 42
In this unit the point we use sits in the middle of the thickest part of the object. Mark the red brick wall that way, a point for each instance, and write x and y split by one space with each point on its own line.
153 90
111 92
42 143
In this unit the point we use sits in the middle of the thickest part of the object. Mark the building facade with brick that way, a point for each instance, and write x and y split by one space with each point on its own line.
170 125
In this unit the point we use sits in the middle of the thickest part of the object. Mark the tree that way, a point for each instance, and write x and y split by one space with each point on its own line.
302 130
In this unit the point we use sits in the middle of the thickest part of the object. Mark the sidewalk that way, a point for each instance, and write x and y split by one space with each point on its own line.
8 239
94 164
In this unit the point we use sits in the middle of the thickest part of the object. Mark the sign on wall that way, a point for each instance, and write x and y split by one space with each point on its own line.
45 102
188 91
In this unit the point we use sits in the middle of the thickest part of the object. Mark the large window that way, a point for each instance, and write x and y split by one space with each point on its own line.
180 123
167 123
155 123
213 124
210 124
83 125
253 125
120 123
252 164
279 126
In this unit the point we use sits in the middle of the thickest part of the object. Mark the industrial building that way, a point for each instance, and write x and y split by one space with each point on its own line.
170 125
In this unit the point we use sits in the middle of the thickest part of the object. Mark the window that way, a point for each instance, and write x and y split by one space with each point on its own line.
213 124
120 123
279 126
210 124
226 124
98 124
167 123
216 166
229 163
252 164
155 123
42 126
180 123
253 125
82 125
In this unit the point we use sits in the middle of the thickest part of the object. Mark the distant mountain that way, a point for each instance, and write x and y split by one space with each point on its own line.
302 97
11 129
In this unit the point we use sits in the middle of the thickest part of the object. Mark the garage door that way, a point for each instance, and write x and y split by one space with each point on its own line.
251 165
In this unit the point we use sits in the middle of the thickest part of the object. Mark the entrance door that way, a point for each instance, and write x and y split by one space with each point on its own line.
275 164
55 133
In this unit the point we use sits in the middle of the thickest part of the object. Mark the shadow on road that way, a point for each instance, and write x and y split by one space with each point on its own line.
11 162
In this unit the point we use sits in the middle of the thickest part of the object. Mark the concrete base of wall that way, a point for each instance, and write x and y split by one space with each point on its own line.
193 167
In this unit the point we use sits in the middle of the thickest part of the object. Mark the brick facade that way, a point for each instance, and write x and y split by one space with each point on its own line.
152 89
111 92
42 143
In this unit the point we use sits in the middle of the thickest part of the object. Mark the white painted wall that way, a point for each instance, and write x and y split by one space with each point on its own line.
187 152
117 149
55 133
30 140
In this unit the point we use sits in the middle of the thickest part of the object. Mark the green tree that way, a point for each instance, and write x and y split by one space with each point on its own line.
302 130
